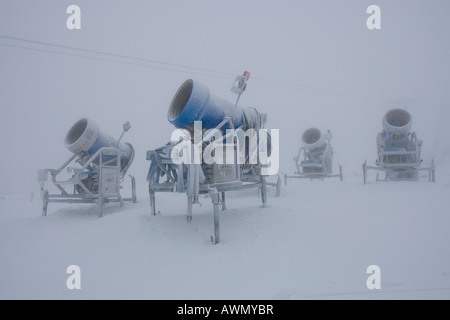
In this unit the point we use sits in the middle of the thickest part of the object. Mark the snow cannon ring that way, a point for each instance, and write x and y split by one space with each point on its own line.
397 121
86 137
313 139
193 102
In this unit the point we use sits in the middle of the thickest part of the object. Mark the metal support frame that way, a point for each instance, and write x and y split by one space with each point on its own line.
399 157
107 160
390 172
276 185
321 170
216 190
312 176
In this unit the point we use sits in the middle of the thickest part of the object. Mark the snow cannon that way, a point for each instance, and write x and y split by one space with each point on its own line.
231 148
101 164
313 139
397 121
85 139
194 102
315 159
398 149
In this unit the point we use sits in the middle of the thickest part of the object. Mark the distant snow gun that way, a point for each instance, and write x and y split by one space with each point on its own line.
399 150
315 159
101 164
218 147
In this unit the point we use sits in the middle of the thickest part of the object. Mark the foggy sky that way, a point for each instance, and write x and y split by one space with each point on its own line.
347 76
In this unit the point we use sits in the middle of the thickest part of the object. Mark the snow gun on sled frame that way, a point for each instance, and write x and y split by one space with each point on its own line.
315 159
102 165
399 150
194 110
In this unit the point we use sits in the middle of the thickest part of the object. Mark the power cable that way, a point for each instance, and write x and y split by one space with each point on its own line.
169 66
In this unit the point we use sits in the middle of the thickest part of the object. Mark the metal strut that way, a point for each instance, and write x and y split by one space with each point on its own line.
215 200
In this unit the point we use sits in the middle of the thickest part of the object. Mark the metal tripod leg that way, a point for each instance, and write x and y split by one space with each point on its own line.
433 171
101 202
278 192
365 172
215 200
189 210
224 205
264 192
152 202
133 190
45 203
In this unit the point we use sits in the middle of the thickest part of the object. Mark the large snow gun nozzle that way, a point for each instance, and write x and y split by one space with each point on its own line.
313 139
193 102
86 137
397 121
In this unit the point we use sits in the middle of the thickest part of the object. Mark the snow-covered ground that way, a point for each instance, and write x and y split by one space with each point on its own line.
314 242
312 64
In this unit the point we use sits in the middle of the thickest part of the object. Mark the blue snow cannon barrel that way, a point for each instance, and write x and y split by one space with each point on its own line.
193 102
85 137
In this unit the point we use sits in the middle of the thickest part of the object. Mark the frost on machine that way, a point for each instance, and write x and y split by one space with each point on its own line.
101 163
399 150
215 142
315 159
